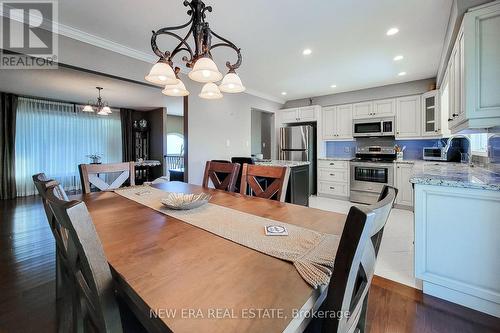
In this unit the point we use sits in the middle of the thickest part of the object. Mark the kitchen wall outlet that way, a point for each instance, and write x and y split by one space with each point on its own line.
228 143
347 149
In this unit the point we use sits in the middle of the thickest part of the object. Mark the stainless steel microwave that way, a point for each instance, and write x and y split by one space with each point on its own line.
373 127
434 154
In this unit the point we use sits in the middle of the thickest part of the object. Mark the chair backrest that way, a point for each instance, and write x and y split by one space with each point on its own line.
276 175
88 265
42 184
240 161
223 175
355 264
89 174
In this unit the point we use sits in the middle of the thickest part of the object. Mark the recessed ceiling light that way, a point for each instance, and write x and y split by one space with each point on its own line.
333 86
402 73
392 31
284 93
398 57
307 52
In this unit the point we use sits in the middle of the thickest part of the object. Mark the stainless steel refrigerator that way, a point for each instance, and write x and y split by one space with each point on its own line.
298 143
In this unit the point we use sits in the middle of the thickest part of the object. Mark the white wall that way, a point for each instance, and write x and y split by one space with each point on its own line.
214 122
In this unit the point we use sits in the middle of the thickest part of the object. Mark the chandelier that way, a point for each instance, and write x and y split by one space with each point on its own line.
102 107
198 58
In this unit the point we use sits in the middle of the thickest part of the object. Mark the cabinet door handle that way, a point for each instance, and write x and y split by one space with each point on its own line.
397 132
332 174
455 115
332 188
332 163
450 119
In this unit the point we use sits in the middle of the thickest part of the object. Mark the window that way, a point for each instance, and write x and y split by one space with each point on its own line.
479 143
175 144
53 138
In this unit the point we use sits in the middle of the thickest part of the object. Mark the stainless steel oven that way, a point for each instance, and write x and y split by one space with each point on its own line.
373 127
368 179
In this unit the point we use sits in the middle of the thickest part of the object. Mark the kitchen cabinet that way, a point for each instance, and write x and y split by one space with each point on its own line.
362 110
384 108
337 122
377 108
297 115
473 70
431 114
298 186
333 178
408 120
402 175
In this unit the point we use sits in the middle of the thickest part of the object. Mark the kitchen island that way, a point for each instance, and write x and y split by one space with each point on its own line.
457 233
298 184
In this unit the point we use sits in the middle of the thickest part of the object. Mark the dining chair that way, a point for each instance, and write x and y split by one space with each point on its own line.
93 289
276 176
240 161
223 175
89 174
63 278
355 265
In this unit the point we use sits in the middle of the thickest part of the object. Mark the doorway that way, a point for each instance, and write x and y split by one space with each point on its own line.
262 134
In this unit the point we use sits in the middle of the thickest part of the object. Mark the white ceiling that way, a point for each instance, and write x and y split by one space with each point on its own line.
79 87
348 40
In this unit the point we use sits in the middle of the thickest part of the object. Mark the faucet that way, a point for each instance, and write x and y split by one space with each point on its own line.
469 149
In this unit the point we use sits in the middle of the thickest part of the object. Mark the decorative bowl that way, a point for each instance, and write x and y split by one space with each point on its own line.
183 201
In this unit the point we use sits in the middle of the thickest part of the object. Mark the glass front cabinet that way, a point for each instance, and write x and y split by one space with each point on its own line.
431 115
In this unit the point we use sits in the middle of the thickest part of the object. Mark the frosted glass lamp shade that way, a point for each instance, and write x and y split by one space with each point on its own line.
175 89
106 109
102 112
205 70
231 84
88 108
161 73
210 91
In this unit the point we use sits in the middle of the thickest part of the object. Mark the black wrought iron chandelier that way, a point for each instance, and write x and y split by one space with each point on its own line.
102 107
198 58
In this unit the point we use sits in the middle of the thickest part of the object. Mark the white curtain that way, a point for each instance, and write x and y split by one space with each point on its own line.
54 138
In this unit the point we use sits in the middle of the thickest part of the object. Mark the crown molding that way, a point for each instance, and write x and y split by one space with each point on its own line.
103 43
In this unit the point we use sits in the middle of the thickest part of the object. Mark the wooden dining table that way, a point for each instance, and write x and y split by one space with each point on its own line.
177 277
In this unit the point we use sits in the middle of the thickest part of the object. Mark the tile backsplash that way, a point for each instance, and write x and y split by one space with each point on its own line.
413 149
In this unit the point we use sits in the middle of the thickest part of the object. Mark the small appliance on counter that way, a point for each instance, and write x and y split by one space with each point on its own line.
456 149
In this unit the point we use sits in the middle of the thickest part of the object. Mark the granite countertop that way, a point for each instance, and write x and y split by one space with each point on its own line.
406 161
335 158
456 175
290 164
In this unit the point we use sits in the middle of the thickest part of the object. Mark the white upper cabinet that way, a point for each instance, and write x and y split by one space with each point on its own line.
344 121
431 114
289 115
384 108
297 115
474 71
337 122
328 120
362 110
307 113
408 118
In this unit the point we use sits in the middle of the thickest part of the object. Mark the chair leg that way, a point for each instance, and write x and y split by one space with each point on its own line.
362 317
64 305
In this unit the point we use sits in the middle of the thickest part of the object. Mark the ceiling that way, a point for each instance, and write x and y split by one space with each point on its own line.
348 39
75 86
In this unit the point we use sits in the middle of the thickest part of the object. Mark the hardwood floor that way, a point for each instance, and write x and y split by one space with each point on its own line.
27 285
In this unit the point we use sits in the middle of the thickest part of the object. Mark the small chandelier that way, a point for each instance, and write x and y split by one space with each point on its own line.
198 58
102 107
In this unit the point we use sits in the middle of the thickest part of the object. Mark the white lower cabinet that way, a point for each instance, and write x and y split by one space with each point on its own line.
333 178
402 175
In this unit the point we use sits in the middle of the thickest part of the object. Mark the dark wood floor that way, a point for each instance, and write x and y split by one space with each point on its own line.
27 285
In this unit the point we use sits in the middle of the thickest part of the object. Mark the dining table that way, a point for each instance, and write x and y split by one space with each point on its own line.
177 277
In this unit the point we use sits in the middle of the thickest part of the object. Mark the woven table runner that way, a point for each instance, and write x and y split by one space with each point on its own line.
311 252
